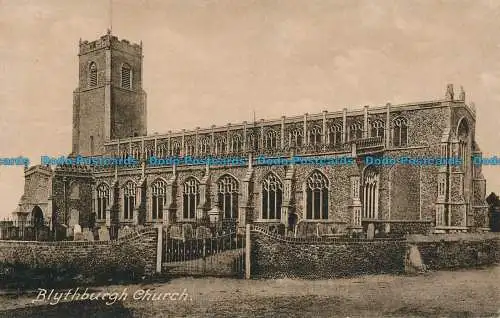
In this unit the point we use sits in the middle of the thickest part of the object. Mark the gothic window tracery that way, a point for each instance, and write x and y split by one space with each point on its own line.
356 131
317 196
335 134
463 148
272 197
236 143
176 148
220 145
129 195
271 139
377 128
158 197
190 148
296 137
370 193
205 146
191 198
400 137
251 142
228 191
163 150
102 201
315 136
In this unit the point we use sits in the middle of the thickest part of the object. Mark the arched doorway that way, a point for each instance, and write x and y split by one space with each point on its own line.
37 220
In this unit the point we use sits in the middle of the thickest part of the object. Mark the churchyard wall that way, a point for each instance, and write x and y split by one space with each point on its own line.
458 250
278 257
275 257
131 256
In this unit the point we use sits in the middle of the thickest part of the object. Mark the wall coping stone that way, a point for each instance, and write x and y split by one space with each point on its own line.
321 240
128 237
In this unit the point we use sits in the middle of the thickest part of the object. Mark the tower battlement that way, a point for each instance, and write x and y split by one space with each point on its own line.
110 41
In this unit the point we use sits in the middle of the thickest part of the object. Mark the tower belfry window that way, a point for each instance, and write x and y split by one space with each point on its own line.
92 75
126 77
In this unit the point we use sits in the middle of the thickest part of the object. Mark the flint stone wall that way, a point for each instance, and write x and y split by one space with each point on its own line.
135 252
460 250
274 257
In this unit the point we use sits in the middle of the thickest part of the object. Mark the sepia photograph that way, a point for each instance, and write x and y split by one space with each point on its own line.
250 158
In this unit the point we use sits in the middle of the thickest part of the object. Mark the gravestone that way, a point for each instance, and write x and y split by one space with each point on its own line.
203 232
187 231
74 217
77 233
103 233
370 233
301 229
307 229
414 262
175 231
77 229
88 235
78 237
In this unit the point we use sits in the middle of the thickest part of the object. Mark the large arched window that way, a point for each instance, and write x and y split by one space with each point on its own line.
129 194
315 136
370 193
220 145
400 136
251 142
102 201
158 191
92 80
271 139
236 143
126 76
317 196
190 198
272 197
176 149
377 128
228 196
463 136
189 151
335 135
204 146
356 131
296 137
463 149
163 150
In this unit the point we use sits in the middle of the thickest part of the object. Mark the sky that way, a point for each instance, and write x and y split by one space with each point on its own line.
215 62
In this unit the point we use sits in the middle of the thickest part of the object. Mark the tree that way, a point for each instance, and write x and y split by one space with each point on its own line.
493 200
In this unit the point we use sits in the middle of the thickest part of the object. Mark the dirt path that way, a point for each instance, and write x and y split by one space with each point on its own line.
465 293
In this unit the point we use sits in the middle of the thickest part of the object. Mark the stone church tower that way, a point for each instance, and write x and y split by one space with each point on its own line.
109 102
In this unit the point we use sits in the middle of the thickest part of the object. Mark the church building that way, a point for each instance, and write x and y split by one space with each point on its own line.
109 119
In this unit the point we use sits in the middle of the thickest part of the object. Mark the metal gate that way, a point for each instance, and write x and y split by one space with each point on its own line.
221 255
